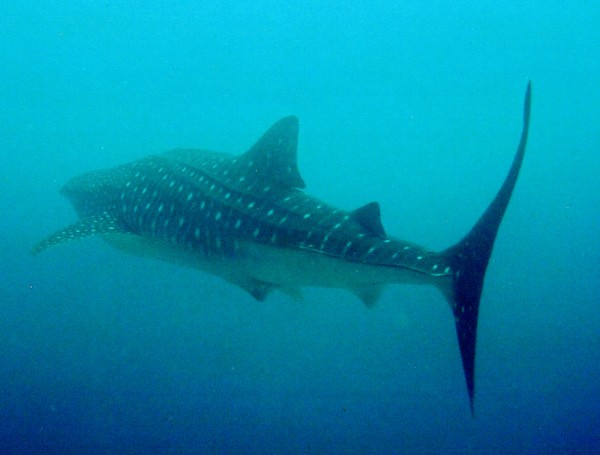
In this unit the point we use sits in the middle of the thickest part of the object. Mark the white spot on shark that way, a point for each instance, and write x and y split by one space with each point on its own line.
348 245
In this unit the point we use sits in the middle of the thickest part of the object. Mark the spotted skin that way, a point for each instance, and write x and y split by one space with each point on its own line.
206 201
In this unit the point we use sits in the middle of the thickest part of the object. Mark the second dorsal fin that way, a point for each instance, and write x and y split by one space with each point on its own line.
274 156
369 217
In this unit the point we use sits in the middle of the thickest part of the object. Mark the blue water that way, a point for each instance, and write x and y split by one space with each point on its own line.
414 104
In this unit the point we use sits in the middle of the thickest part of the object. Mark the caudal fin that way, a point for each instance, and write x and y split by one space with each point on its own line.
469 259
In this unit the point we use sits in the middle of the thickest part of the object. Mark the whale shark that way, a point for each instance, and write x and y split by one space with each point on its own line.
246 219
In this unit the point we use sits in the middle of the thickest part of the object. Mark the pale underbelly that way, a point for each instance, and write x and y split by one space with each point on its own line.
293 268
284 267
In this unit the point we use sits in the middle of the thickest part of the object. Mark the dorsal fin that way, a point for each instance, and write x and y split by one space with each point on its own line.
274 156
369 217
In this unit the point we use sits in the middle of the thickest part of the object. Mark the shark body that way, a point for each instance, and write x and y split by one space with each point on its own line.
246 219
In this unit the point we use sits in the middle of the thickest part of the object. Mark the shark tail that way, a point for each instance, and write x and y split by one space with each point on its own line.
469 259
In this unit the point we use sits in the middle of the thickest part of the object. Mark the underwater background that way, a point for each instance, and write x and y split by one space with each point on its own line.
417 105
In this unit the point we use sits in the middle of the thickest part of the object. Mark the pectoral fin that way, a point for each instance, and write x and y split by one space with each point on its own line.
104 223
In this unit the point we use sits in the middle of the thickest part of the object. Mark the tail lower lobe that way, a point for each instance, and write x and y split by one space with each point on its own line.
469 259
